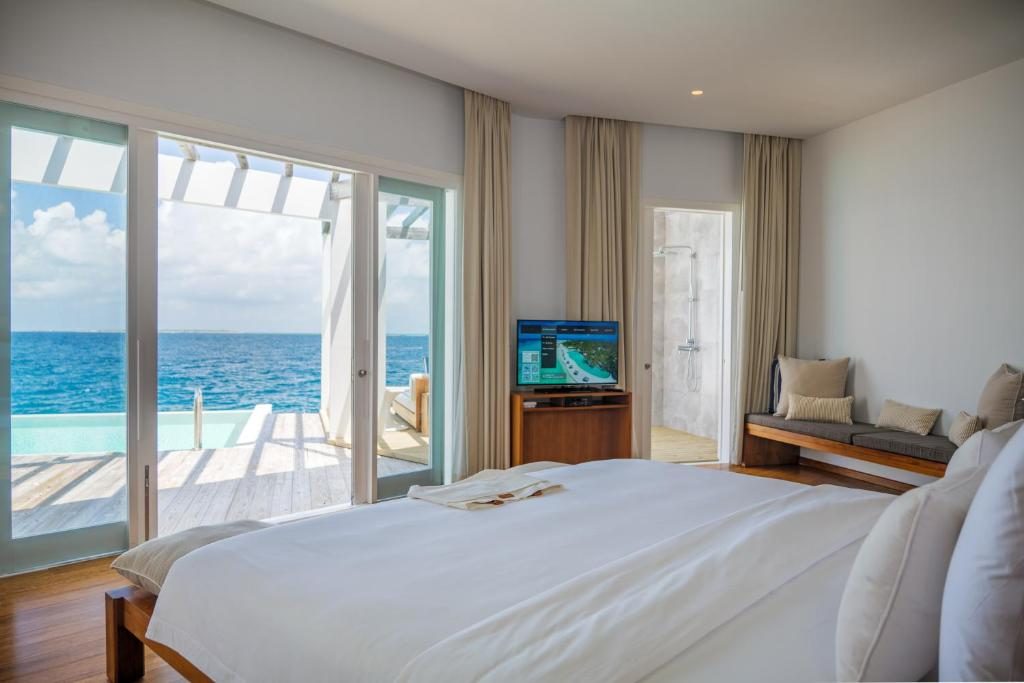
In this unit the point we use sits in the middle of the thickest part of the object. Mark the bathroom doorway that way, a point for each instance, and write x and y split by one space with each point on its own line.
687 406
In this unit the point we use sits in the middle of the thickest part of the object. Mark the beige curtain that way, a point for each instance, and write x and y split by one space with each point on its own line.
486 283
602 211
771 250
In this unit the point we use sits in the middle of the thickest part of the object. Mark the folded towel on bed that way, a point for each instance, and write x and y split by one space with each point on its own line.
484 489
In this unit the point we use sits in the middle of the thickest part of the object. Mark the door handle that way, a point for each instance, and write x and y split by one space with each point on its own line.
647 366
362 373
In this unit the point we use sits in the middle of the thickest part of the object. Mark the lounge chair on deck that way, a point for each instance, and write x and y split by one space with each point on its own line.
413 404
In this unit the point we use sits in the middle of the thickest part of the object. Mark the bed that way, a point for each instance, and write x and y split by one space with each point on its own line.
637 570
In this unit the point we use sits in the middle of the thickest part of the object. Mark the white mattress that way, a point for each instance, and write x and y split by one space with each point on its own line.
786 638
359 594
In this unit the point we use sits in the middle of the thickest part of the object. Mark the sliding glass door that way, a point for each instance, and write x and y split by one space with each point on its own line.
410 336
87 461
63 349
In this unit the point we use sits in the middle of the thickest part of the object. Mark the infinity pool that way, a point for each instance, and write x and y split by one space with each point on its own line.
107 433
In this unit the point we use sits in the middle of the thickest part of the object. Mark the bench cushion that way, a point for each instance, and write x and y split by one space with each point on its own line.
823 430
931 447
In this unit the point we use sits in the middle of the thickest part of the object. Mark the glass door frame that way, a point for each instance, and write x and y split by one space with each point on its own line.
144 127
396 485
22 554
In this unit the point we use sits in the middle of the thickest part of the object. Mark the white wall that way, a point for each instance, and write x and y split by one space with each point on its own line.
912 243
691 165
538 218
678 164
198 59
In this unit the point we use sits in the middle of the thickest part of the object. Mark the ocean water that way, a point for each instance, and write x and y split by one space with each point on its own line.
84 372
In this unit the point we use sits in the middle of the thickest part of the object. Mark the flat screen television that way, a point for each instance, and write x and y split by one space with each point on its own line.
567 353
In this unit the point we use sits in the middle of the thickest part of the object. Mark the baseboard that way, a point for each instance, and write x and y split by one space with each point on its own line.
855 474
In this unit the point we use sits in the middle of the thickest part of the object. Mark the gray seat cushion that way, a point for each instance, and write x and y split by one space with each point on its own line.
931 447
823 430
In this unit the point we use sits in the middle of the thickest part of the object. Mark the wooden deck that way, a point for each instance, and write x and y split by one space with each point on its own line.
288 468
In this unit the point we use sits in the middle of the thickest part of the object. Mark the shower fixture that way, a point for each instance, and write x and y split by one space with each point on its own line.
691 347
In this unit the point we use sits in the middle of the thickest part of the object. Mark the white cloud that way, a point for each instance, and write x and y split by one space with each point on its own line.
407 298
219 269
224 269
67 271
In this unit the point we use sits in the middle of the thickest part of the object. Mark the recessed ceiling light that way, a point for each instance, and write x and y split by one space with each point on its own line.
696 93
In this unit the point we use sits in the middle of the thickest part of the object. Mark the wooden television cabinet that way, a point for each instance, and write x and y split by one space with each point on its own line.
571 434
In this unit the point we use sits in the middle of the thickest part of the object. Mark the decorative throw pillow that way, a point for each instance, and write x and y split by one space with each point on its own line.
904 418
146 565
1002 399
888 627
964 425
818 378
981 634
981 451
813 409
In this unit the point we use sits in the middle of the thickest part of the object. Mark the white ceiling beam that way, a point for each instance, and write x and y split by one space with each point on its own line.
281 195
58 157
189 151
235 189
402 201
182 181
412 218
120 182
400 233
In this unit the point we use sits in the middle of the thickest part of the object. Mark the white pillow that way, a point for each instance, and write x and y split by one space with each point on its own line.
888 626
983 604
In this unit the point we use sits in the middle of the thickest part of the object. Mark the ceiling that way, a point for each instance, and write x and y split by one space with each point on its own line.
784 67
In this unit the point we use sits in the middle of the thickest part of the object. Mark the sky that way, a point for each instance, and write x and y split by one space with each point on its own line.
219 269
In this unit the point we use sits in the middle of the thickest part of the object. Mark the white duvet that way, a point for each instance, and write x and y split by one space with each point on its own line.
635 570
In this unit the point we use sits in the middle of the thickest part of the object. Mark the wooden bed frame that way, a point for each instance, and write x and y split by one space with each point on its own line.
129 610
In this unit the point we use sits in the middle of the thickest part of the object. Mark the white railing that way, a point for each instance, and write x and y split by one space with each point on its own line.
197 419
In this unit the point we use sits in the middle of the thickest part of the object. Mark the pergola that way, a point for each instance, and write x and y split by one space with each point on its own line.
209 176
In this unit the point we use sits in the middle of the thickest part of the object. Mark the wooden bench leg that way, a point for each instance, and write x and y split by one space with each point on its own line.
758 452
126 654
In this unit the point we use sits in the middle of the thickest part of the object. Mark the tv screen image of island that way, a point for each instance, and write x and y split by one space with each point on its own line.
565 352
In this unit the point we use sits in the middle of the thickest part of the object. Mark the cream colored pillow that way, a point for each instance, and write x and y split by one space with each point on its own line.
888 626
817 378
813 409
904 418
146 565
981 636
1002 399
964 425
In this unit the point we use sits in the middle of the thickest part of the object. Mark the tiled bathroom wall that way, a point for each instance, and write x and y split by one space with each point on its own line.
680 400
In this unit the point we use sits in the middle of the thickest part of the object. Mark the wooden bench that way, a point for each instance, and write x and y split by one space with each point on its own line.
765 445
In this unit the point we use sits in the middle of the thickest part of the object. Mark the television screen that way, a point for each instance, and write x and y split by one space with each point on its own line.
567 352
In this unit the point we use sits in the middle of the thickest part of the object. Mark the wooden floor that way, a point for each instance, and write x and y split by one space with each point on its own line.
51 626
674 445
288 468
51 621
